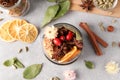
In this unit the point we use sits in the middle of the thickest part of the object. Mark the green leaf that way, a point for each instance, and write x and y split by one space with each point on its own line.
89 64
50 14
8 63
64 8
32 71
18 64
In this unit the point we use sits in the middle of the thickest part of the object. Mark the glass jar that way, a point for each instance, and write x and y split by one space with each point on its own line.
15 7
69 49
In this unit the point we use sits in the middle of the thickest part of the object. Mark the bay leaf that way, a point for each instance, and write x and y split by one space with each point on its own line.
50 14
89 64
64 8
32 71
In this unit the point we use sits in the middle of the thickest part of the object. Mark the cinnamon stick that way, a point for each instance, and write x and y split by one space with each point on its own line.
101 41
92 37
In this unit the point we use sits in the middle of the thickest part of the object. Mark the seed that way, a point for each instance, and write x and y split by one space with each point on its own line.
20 50
114 44
27 49
55 78
110 28
101 26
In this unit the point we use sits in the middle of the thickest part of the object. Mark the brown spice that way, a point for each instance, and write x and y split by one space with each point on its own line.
114 44
87 4
20 50
110 29
27 49
92 38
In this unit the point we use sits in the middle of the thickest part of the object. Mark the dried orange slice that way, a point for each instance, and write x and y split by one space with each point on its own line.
28 33
70 55
15 27
4 35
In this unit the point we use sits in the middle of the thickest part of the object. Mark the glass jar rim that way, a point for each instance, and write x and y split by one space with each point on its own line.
16 4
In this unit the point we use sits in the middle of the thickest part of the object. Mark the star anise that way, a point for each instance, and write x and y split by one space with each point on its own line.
87 4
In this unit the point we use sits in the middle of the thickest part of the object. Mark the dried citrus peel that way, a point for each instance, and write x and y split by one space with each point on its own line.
70 55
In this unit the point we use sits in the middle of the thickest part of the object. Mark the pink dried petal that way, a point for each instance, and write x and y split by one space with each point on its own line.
70 75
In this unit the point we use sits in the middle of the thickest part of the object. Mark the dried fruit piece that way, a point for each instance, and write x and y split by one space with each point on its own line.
4 35
14 28
32 71
110 28
89 64
28 33
70 55
57 41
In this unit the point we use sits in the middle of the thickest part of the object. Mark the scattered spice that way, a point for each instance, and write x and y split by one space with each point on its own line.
104 4
112 67
114 44
101 26
27 49
55 78
87 5
114 21
1 19
110 28
89 64
13 62
20 50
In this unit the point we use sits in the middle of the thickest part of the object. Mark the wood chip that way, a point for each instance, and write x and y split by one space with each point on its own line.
114 44
20 50
101 26
27 49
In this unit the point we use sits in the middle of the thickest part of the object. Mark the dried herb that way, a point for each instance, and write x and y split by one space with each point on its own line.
20 50
87 5
27 49
32 71
89 64
18 64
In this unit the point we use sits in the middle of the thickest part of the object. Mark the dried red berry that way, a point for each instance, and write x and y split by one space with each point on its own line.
110 28
62 38
57 41
69 36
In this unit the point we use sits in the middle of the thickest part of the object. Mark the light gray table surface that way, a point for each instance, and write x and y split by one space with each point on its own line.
36 54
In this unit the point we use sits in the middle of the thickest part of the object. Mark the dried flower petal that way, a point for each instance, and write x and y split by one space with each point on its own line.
51 32
69 75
